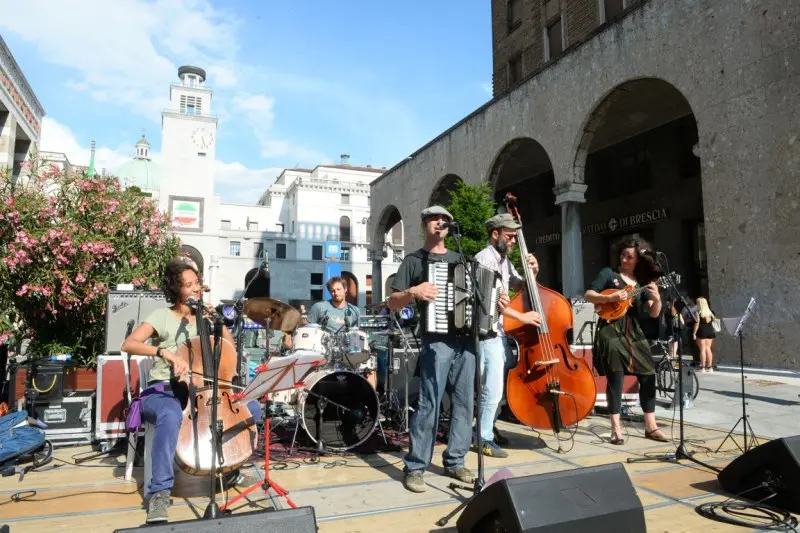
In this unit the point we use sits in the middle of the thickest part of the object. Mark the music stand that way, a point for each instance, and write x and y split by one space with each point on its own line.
735 327
281 373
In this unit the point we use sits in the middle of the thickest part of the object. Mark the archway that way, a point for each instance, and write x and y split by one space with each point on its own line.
523 168
260 286
636 154
443 190
194 254
351 288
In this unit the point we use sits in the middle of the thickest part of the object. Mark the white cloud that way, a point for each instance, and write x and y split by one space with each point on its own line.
238 184
115 48
57 137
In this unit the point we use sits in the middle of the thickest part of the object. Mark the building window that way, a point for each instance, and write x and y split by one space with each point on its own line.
258 249
397 256
316 252
226 224
345 254
344 229
397 234
612 8
555 38
252 226
370 255
515 70
369 281
236 248
345 199
191 105
512 14
316 294
201 154
280 250
191 81
369 298
316 279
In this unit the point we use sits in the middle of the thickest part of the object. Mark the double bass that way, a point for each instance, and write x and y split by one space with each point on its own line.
235 425
549 388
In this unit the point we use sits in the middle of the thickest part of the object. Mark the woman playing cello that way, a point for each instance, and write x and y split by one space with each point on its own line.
620 346
168 328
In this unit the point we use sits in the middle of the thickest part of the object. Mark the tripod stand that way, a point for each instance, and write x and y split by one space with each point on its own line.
475 296
744 419
680 451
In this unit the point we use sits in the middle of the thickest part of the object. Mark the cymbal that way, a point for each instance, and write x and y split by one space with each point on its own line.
281 316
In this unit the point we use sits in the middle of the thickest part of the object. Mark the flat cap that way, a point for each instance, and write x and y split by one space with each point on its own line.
435 210
503 220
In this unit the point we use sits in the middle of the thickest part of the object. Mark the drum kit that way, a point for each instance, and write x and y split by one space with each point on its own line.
334 399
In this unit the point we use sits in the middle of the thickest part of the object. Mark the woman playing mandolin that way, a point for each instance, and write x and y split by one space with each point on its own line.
620 346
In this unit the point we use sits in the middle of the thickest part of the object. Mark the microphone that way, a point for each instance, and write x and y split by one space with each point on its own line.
449 224
648 253
194 304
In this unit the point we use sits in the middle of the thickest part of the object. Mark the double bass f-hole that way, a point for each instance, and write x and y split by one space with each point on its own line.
567 362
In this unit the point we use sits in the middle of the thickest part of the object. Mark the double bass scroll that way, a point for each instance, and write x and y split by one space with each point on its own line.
549 388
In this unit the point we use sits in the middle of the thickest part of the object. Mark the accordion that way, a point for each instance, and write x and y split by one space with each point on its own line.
451 312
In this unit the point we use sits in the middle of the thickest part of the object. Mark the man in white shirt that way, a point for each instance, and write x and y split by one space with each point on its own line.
496 356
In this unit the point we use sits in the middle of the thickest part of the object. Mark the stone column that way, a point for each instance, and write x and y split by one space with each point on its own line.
8 140
569 196
377 280
213 282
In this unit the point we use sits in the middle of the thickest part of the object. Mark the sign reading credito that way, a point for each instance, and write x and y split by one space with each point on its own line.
612 225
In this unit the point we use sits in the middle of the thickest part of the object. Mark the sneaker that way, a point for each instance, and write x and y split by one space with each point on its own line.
414 481
499 438
157 508
460 473
490 449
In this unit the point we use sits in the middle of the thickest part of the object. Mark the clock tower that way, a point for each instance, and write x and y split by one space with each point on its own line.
188 140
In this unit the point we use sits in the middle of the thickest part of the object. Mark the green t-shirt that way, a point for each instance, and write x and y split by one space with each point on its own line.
346 317
171 332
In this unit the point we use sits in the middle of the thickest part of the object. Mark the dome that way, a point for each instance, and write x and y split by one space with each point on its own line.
140 172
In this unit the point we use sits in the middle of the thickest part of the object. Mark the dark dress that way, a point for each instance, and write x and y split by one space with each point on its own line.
705 330
621 345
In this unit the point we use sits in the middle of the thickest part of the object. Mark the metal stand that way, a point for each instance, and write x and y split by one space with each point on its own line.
744 419
476 297
680 451
406 350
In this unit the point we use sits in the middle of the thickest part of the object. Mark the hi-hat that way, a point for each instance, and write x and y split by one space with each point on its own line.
280 315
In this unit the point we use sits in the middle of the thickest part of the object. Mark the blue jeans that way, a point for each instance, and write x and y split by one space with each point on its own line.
496 360
163 410
443 363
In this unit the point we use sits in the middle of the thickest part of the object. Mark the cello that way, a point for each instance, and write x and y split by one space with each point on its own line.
549 388
235 425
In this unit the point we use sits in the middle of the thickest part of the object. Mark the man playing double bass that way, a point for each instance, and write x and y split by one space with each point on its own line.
444 359
496 355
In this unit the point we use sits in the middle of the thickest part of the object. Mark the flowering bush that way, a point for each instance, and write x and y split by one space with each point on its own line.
65 240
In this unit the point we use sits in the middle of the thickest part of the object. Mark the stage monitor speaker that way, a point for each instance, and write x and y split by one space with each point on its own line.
775 463
599 499
300 520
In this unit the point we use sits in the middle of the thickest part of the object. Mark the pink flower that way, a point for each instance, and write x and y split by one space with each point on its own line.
134 261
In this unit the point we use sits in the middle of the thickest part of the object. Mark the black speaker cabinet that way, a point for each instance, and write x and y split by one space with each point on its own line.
776 463
300 520
599 499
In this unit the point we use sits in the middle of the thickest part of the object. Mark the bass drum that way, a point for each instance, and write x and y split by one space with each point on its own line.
348 406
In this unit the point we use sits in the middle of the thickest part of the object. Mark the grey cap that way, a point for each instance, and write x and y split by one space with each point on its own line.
435 210
503 220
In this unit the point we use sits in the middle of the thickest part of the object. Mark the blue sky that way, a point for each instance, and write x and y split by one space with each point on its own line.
296 83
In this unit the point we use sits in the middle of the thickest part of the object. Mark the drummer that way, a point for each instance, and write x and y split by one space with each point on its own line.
337 314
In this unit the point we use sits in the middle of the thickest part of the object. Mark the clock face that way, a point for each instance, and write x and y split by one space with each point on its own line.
202 138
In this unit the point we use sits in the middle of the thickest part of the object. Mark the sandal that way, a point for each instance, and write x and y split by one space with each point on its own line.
616 440
652 435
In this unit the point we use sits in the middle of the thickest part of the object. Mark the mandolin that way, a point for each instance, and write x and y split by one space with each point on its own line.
615 310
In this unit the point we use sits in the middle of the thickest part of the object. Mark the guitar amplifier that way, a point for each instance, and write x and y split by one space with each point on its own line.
69 420
125 310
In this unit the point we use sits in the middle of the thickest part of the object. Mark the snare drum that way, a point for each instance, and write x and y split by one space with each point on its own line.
311 337
356 346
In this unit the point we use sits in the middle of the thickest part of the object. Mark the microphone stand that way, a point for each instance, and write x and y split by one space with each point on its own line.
212 510
680 452
238 329
475 296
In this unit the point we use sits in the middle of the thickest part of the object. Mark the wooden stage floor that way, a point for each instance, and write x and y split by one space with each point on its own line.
365 494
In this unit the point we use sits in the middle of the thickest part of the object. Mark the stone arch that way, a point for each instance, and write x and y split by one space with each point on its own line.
351 287
627 98
194 254
443 190
389 220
